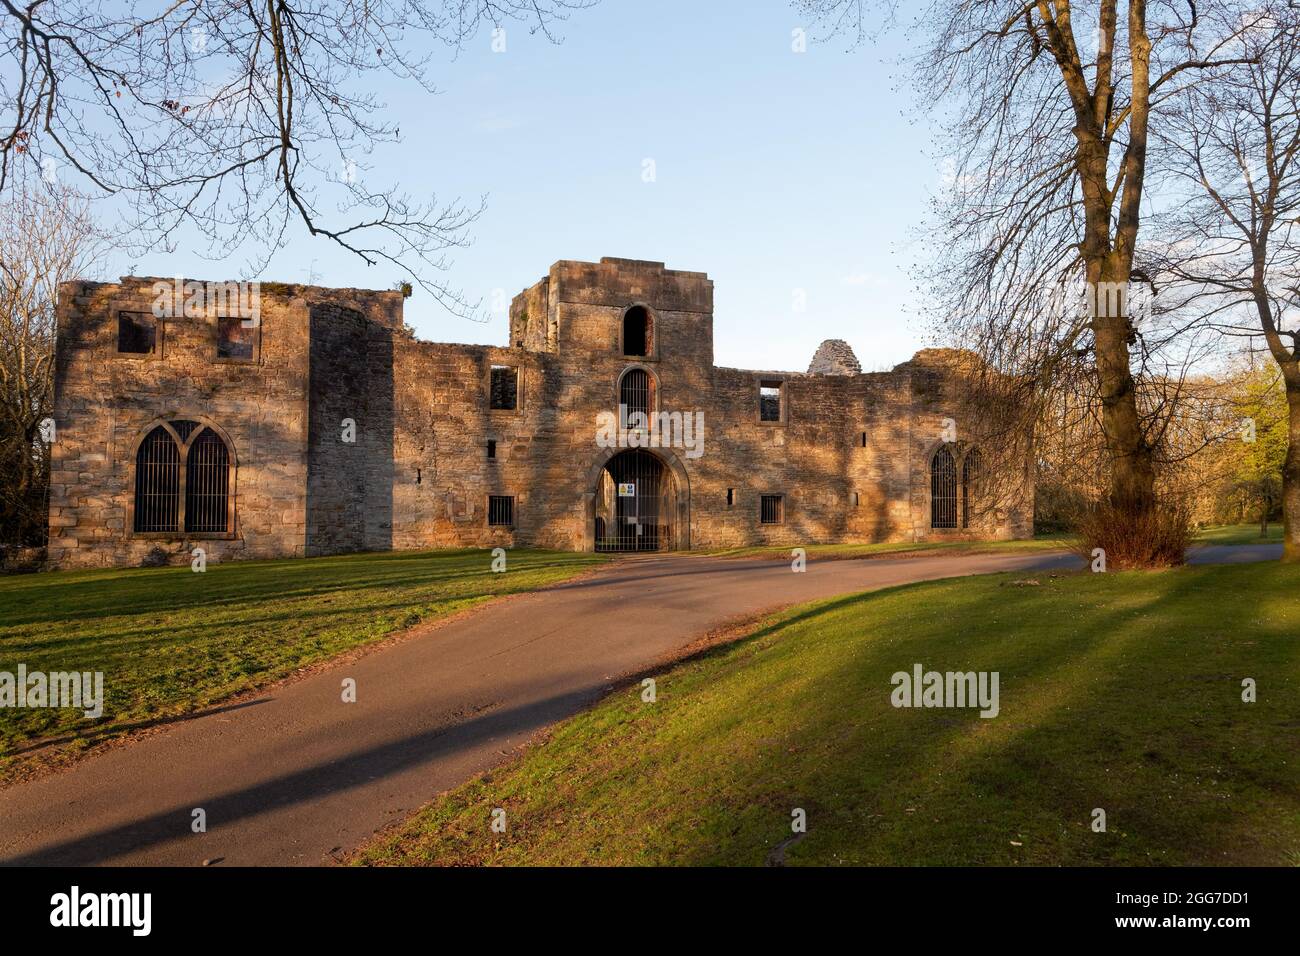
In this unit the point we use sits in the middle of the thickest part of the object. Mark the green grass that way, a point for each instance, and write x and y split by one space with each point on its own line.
1052 542
1239 534
169 640
1118 691
1225 534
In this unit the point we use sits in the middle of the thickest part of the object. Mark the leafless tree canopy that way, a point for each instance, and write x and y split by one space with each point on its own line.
1046 110
1229 233
1232 228
48 237
243 119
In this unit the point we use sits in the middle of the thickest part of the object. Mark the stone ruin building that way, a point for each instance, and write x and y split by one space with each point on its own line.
323 426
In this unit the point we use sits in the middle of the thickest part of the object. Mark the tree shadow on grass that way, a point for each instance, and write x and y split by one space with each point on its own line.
971 784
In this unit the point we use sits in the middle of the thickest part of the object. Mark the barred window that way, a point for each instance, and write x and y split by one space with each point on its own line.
504 388
634 396
137 333
169 498
943 489
157 483
501 511
771 509
207 483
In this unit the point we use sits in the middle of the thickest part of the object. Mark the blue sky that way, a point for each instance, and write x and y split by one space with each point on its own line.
779 174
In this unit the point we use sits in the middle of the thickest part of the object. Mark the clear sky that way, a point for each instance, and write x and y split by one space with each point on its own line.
785 176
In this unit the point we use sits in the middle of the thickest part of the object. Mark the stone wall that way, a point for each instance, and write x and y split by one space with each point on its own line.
105 402
850 455
350 467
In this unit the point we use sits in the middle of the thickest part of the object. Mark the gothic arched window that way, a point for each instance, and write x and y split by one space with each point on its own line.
157 483
194 497
943 489
635 394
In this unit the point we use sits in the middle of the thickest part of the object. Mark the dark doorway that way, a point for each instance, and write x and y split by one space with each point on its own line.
636 331
635 502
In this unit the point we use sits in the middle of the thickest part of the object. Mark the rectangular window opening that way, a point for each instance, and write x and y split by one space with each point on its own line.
772 509
236 338
769 401
137 333
501 511
731 497
504 388
864 439
492 448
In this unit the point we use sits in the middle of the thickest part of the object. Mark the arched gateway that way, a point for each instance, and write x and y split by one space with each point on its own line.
639 502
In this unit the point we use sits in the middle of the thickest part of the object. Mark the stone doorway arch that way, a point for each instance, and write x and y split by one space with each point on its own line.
669 517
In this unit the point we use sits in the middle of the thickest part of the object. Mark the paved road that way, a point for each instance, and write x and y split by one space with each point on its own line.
292 776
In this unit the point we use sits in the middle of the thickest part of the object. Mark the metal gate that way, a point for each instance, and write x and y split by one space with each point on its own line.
634 504
943 489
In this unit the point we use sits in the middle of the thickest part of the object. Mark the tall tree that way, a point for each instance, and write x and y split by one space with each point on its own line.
1047 108
1233 235
48 238
240 120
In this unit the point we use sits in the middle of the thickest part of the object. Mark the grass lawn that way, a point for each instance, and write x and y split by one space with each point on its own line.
1239 534
1117 691
1049 542
169 641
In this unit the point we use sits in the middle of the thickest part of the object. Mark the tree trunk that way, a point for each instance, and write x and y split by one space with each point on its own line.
1132 469
1291 475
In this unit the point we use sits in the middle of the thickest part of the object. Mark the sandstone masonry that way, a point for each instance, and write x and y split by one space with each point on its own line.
845 456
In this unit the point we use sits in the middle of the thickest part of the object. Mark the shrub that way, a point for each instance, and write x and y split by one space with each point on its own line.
1157 539
1056 507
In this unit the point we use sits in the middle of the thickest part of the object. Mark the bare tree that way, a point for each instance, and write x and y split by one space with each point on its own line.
48 238
1047 108
240 119
1232 234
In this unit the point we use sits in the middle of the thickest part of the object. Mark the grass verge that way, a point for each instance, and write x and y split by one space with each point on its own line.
1054 542
1239 534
